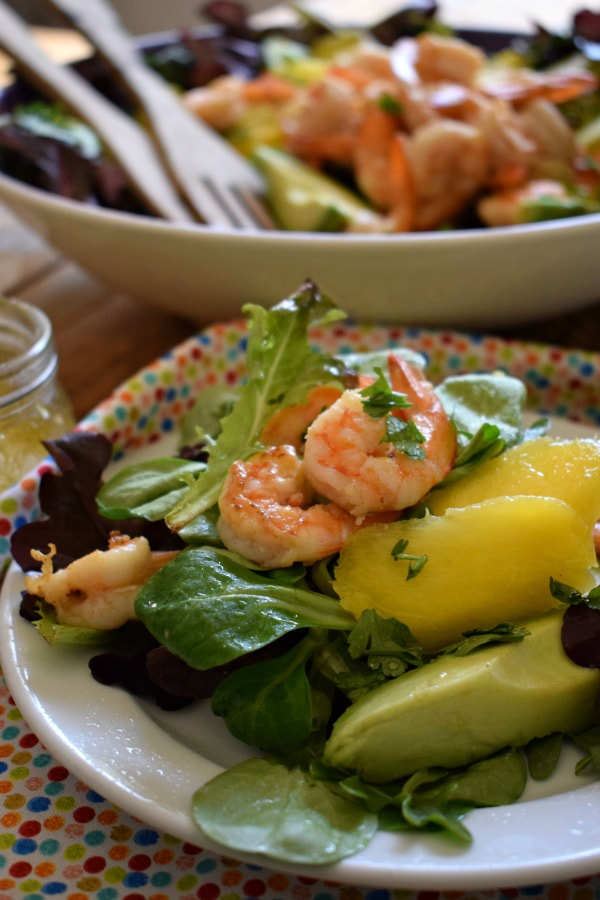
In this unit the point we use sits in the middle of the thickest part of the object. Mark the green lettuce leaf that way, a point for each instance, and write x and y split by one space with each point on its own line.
262 806
282 368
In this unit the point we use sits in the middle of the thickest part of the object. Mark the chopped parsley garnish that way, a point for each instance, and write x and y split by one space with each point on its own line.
415 563
379 400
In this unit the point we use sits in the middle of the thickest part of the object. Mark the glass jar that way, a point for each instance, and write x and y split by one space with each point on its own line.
33 407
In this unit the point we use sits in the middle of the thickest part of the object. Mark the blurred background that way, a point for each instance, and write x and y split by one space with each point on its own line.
140 16
145 16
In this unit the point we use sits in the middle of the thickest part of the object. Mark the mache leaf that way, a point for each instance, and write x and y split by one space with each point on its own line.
268 704
263 807
207 608
147 489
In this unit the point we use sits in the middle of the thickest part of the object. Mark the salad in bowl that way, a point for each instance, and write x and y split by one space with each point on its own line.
386 588
398 238
404 126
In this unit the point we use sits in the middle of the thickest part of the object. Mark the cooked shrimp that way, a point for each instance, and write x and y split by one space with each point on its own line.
509 148
321 124
549 130
268 513
220 104
346 461
288 425
449 164
381 169
441 58
508 207
99 589
521 85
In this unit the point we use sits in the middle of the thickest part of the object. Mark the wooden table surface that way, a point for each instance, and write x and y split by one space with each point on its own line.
103 337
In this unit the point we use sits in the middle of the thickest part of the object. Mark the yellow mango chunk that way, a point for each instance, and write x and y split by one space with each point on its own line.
486 563
545 467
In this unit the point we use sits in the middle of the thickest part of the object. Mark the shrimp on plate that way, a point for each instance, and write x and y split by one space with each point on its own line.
99 589
268 514
288 425
346 461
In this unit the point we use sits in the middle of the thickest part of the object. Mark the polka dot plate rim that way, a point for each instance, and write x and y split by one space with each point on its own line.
149 763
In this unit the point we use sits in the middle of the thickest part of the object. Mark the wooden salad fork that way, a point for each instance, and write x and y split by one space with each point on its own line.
219 184
127 140
187 172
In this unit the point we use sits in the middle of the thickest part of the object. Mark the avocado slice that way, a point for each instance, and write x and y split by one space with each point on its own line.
588 136
456 710
302 199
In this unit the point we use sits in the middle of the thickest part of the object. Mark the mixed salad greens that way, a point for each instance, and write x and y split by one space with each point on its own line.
42 144
273 651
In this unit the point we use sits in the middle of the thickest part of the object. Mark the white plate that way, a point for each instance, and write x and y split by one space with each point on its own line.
150 762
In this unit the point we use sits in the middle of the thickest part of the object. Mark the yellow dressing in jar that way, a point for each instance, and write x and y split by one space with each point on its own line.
33 407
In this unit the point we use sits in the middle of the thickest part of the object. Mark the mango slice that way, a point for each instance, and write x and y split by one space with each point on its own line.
486 563
546 467
456 710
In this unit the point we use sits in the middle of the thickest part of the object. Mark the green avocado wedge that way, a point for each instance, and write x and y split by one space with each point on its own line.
302 199
456 710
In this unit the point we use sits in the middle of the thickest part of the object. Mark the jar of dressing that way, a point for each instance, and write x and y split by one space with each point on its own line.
33 406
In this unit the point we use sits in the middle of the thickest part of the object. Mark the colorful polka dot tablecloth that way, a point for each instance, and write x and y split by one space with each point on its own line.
58 837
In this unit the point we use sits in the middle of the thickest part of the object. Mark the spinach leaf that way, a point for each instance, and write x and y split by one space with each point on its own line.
590 742
474 638
268 704
496 781
281 367
367 362
146 489
203 421
53 632
203 529
208 609
542 755
51 120
484 444
435 799
262 806
474 400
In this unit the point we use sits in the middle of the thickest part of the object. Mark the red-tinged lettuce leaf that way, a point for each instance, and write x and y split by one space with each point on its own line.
586 24
581 635
68 504
151 671
50 164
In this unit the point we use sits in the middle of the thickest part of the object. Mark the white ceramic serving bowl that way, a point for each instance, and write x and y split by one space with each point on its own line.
465 279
